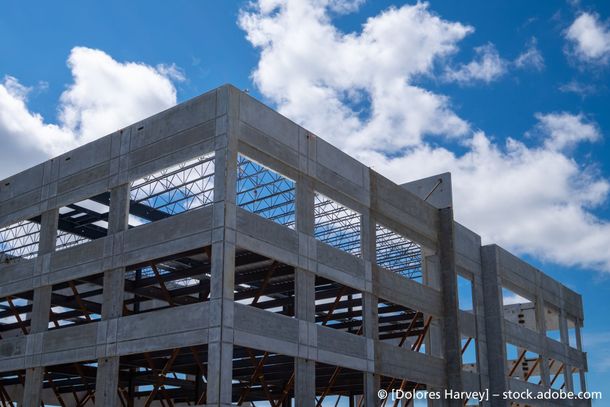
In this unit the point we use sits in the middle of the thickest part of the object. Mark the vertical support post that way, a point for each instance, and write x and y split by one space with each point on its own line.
541 326
581 372
370 301
305 295
305 367
220 342
434 339
494 322
565 340
41 308
478 307
107 378
451 329
431 278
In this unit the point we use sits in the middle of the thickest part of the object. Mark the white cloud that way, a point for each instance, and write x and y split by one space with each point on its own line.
564 130
104 96
531 199
486 67
579 88
317 74
25 138
345 6
531 57
589 38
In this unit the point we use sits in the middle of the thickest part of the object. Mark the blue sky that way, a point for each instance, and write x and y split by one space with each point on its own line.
510 96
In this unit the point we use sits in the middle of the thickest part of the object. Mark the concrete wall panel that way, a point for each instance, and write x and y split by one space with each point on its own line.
268 122
179 118
400 290
403 363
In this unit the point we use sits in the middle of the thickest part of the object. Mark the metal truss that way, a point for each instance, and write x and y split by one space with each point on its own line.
397 253
67 239
265 192
19 241
174 190
337 225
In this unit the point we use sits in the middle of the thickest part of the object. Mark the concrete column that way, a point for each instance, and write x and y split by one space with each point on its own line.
478 306
305 300
541 327
370 319
451 330
41 308
305 368
114 280
581 372
431 278
494 323
220 342
107 379
434 338
564 334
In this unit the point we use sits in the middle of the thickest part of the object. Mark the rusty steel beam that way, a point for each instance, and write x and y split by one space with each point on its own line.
161 375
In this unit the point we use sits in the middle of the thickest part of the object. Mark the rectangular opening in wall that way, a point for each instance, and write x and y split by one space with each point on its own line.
402 392
83 221
469 354
556 374
465 293
19 241
262 378
576 385
551 316
338 386
265 192
164 378
338 306
572 332
336 225
402 326
398 254
522 364
169 281
173 190
519 309
15 313
11 387
264 283
76 302
70 384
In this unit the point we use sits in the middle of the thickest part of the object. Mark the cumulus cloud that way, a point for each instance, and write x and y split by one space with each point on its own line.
361 82
563 130
105 95
589 38
531 57
357 90
486 67
25 137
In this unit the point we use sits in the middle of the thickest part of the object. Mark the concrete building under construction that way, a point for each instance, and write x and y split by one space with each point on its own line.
219 254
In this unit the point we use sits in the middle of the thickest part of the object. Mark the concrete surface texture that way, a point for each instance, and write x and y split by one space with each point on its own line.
217 253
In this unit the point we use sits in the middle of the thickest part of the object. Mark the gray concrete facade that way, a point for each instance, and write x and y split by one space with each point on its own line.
102 321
